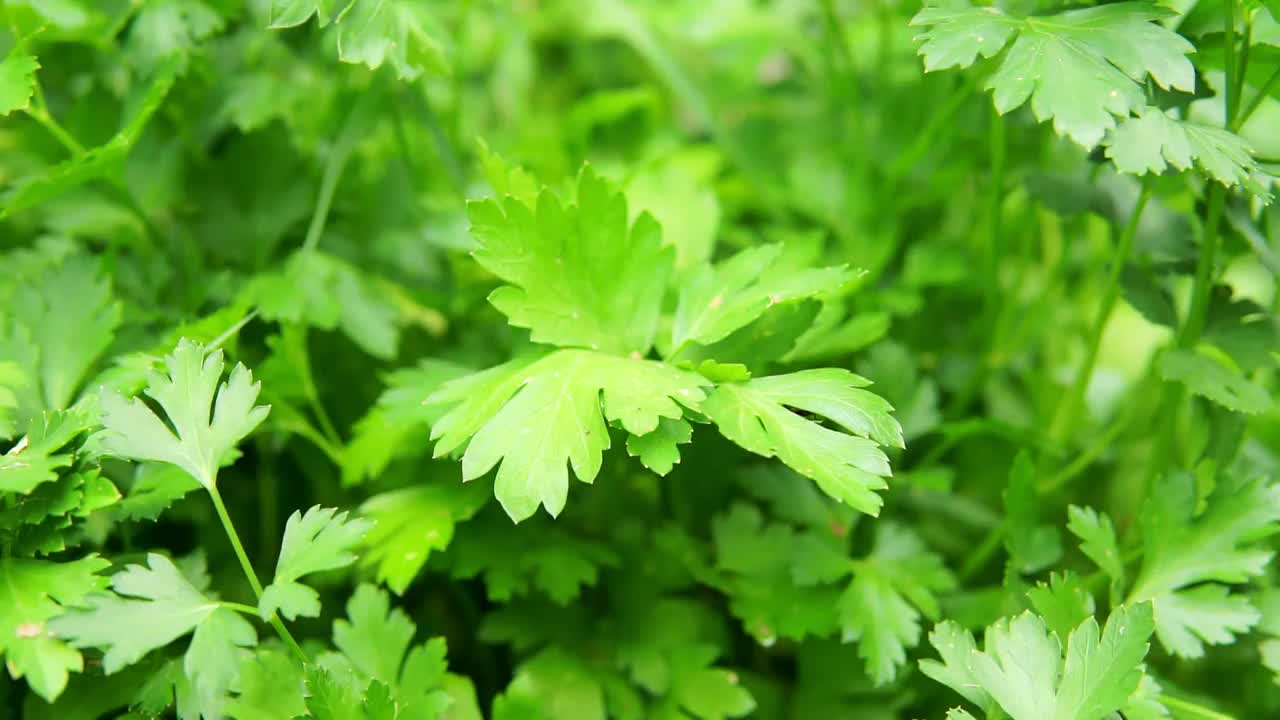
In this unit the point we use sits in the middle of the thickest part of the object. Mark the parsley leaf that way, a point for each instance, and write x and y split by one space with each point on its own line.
578 275
1188 559
1155 140
152 606
288 13
320 540
535 418
197 442
399 32
716 301
32 592
1214 380
412 522
1080 68
17 79
758 415
1022 669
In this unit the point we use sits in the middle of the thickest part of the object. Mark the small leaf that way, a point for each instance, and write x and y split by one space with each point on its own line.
320 540
1213 380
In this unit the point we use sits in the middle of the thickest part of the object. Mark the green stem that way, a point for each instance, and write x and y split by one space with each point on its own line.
1065 417
249 572
988 547
1254 103
352 128
995 200
1193 710
926 139
1230 97
1203 287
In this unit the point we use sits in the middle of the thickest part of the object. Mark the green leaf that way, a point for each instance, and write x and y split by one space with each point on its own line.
213 660
537 418
271 685
320 540
716 301
165 29
72 317
97 162
558 684
374 636
1097 540
1211 379
1189 558
1032 546
399 32
198 443
326 292
412 522
1064 602
151 607
849 466
1102 672
659 450
17 79
288 13
578 275
1155 140
36 459
544 556
32 592
1081 69
1022 668
879 608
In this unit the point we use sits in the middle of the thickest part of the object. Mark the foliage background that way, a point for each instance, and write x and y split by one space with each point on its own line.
290 184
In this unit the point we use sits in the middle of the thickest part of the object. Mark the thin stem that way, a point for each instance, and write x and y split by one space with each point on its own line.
239 607
39 111
1065 416
1203 287
1230 97
231 331
352 128
995 200
232 535
988 547
1256 101
926 138
249 572
1190 709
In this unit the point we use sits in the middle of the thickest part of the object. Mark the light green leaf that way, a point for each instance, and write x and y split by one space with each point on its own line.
151 607
659 450
72 317
1064 602
1155 140
213 660
375 636
1081 69
1211 379
1102 672
1097 540
198 443
400 32
17 79
320 540
271 687
1188 558
536 419
412 522
716 301
32 592
849 466
578 275
288 13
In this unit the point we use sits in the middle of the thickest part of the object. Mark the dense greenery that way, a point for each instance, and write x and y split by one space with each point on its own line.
586 359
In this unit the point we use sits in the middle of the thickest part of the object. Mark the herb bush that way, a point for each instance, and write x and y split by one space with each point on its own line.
588 359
